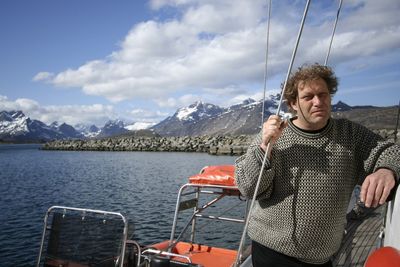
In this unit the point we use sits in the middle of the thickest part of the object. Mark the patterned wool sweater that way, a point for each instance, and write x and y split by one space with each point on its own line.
306 186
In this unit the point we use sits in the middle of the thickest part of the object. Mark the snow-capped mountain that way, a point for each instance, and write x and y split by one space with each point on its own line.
196 119
13 122
245 118
197 111
66 130
187 120
113 127
208 119
15 126
88 131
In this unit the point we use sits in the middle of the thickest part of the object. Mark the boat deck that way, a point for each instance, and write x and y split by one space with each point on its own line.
361 239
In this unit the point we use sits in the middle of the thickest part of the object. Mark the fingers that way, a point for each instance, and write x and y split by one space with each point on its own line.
272 130
377 196
284 124
385 194
376 188
363 192
370 193
272 123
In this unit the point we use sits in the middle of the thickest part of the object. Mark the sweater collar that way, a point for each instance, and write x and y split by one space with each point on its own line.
311 134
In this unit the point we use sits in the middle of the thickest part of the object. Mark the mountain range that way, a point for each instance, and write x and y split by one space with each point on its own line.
208 119
15 126
196 119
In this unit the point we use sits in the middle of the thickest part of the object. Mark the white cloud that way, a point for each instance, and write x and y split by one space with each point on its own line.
219 45
75 114
27 104
178 102
145 116
258 96
227 92
71 114
18 104
43 76
139 126
96 114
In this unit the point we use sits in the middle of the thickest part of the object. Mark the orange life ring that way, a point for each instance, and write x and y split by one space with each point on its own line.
384 257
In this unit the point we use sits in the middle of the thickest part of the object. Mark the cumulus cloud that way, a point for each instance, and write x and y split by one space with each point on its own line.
71 114
19 104
144 115
97 114
43 76
141 118
75 114
258 96
219 45
177 102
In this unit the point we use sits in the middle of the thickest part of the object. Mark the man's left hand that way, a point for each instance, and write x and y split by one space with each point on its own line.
376 187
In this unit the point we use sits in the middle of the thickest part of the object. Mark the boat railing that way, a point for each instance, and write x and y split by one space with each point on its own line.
197 190
209 196
152 252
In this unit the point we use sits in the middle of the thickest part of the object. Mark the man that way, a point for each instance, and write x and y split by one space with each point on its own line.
300 211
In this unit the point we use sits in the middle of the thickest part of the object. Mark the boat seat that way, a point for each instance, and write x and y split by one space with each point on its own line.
79 239
219 175
215 175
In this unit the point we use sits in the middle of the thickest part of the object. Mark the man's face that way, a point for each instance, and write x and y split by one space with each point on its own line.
313 105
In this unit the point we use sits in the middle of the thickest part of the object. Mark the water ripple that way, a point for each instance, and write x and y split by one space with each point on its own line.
140 185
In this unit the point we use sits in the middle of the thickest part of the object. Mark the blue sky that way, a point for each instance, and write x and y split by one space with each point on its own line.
90 61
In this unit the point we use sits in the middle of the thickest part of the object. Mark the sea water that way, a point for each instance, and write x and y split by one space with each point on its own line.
141 185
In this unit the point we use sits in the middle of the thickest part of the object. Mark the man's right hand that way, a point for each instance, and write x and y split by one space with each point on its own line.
272 130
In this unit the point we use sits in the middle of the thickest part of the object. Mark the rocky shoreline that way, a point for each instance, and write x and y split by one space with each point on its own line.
214 145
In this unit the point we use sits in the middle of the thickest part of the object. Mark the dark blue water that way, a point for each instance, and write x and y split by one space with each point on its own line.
140 185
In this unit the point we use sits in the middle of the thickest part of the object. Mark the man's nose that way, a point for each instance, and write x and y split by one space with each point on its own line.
317 100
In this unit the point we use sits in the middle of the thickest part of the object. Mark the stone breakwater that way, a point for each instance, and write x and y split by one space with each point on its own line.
215 145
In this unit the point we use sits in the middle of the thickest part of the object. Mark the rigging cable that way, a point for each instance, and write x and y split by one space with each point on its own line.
266 63
269 147
397 123
333 32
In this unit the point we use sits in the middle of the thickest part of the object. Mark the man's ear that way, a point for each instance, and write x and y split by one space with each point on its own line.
293 105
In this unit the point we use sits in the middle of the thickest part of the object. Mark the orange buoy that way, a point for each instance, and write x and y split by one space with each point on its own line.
384 257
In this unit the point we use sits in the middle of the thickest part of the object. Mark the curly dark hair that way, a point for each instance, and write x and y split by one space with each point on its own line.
308 73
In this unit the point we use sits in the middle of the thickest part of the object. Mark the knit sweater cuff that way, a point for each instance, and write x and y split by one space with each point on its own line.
259 153
394 169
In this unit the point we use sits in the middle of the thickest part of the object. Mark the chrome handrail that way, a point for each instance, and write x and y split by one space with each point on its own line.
166 253
196 213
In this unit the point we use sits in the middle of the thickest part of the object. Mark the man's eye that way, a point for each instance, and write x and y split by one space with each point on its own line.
323 95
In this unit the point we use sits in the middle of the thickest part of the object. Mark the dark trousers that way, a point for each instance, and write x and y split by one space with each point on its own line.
266 257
